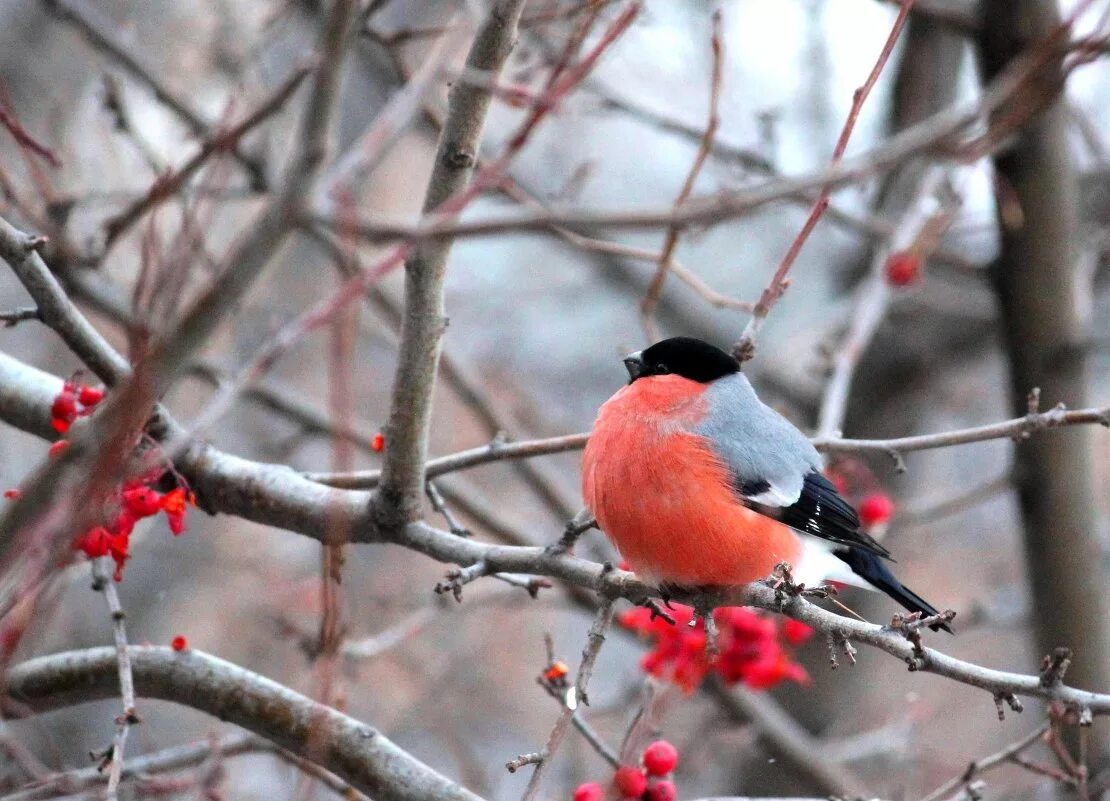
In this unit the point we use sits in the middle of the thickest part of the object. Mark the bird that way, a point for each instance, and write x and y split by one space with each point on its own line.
700 485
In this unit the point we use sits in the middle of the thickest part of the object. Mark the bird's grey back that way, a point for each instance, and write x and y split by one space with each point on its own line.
756 442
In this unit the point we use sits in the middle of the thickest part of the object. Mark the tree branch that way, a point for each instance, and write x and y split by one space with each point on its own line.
99 33
745 348
278 496
356 752
424 320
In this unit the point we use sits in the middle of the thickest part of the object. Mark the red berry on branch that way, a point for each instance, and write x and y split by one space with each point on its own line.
142 501
58 448
13 494
662 791
378 442
796 632
902 268
173 504
660 758
179 643
876 508
590 791
630 782
90 396
63 411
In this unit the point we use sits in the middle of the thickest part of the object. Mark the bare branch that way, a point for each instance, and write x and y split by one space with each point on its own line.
495 451
218 140
55 309
595 638
99 32
354 751
745 348
1018 428
939 133
705 146
424 319
103 583
986 763
874 297
14 318
172 353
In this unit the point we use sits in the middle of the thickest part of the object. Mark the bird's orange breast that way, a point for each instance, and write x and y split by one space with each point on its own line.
665 499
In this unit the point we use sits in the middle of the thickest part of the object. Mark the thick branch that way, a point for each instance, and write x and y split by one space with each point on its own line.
424 320
278 496
55 308
352 750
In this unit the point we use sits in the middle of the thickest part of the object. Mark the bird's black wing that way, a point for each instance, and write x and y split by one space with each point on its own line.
818 510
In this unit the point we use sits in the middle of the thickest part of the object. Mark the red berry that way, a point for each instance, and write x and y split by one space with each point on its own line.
13 494
64 406
630 782
590 791
660 758
57 448
142 501
902 268
179 643
662 791
796 632
378 442
90 396
876 508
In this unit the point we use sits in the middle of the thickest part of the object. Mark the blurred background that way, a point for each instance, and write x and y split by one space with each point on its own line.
537 328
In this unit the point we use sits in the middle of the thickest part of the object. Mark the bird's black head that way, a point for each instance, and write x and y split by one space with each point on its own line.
685 356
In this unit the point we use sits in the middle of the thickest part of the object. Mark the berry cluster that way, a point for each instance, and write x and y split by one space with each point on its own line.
75 400
133 500
749 648
650 781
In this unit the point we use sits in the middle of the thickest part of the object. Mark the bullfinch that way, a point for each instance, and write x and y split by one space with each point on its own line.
699 484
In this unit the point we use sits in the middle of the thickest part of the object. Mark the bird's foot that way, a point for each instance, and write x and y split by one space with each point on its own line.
786 588
656 610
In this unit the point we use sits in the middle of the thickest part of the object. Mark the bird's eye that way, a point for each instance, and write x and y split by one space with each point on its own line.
662 369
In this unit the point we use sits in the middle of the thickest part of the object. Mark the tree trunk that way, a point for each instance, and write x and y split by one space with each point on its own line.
1037 283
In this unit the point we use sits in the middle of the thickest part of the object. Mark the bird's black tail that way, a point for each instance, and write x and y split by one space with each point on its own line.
870 567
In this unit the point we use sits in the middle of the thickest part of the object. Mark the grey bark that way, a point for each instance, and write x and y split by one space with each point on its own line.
356 752
1037 284
424 322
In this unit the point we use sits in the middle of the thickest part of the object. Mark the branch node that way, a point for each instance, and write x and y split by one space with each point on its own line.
575 528
535 758
458 578
35 242
1054 666
1009 699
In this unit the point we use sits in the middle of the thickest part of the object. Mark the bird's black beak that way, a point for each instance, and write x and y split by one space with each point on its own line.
635 366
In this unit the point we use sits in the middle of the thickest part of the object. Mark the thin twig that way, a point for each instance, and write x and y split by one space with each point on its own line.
705 146
745 348
100 33
918 223
219 140
595 638
495 451
1019 428
114 759
14 318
